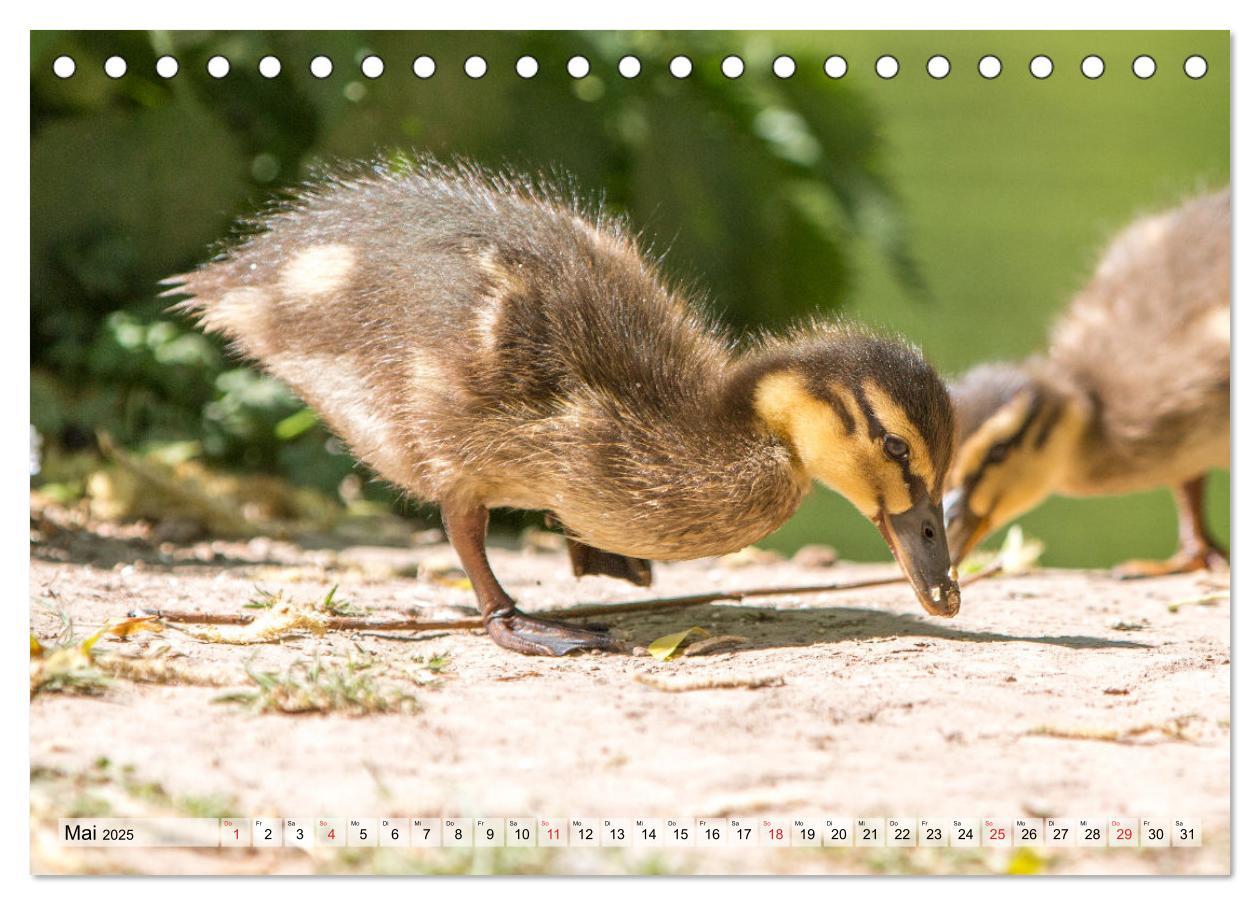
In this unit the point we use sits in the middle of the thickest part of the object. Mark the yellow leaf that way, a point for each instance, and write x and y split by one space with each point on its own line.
1025 861
446 574
37 649
461 583
669 646
86 645
125 627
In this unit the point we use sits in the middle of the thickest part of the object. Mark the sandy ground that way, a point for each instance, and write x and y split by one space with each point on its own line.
1053 694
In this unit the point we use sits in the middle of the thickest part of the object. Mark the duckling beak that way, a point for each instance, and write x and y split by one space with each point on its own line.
964 529
917 538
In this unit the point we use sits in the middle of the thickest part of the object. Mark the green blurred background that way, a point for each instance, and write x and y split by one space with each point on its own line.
962 212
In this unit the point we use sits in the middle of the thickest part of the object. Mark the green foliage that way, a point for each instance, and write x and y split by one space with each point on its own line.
774 196
757 186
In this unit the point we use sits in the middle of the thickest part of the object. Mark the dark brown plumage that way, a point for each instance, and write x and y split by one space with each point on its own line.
481 342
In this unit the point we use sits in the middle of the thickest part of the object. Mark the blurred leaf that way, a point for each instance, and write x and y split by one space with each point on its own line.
1026 861
296 424
1019 555
125 628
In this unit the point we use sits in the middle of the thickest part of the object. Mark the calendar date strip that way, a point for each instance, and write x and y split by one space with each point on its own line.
633 832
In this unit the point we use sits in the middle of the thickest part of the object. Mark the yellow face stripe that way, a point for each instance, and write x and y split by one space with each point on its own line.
849 461
827 452
1001 491
1000 427
894 419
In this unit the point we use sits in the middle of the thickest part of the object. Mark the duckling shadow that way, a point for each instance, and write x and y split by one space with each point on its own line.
768 627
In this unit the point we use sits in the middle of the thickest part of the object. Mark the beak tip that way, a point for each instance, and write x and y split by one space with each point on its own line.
944 600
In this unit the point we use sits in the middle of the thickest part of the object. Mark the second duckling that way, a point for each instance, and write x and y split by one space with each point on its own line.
1132 394
481 342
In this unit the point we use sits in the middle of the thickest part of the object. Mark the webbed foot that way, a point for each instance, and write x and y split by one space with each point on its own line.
544 638
1207 559
1197 552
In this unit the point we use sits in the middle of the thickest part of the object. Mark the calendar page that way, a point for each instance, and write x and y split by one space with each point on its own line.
630 452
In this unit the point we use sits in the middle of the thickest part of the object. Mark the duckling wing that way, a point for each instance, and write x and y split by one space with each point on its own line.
1149 339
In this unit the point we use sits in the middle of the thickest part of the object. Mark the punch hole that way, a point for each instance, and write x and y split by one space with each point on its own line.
886 67
835 66
1092 66
269 67
218 67
629 67
990 66
680 67
166 67
63 67
475 67
732 67
1144 66
938 66
527 67
579 67
372 67
1041 66
115 67
784 66
321 67
423 67
1195 66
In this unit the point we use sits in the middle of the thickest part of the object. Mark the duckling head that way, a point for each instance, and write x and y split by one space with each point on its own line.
868 417
1016 430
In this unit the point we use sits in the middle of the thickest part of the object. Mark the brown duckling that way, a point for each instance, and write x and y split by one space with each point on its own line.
480 342
1132 394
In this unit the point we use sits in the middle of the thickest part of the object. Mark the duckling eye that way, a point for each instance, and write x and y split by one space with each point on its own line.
896 448
999 452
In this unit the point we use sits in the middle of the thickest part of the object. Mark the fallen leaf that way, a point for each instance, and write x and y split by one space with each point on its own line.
1025 861
124 628
460 583
86 645
669 646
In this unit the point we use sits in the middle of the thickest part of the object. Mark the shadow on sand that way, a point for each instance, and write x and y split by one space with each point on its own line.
771 627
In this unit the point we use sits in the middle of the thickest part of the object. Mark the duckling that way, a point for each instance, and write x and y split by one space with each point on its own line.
481 341
1132 393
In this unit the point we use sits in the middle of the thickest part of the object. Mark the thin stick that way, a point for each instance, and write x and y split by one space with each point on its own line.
334 623
360 623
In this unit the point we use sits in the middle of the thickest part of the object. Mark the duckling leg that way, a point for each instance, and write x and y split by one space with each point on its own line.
505 624
592 561
1196 550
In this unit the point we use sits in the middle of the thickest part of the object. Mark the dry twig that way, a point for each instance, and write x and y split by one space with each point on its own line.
371 624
